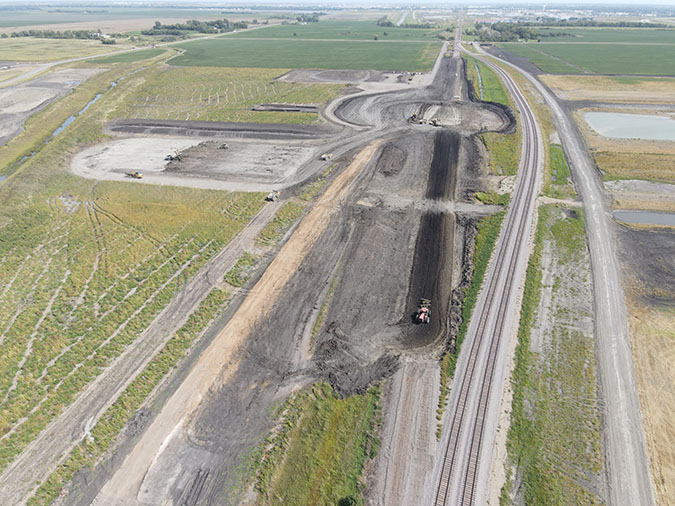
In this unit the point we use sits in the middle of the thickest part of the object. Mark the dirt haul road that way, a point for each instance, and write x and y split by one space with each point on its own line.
216 364
629 478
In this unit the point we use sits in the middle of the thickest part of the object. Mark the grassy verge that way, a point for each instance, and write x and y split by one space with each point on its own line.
130 57
488 232
323 310
494 198
657 167
312 189
275 230
239 274
102 436
560 186
554 441
318 455
503 150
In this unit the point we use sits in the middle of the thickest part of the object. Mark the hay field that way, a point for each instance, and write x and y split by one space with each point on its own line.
612 88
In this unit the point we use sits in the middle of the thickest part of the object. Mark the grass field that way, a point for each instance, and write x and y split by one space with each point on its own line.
221 94
555 437
85 266
45 50
560 186
334 29
318 455
377 55
130 57
657 167
504 150
597 58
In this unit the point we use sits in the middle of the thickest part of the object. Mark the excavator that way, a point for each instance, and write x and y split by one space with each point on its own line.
423 314
135 175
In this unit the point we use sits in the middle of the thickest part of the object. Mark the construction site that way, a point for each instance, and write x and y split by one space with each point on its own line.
410 163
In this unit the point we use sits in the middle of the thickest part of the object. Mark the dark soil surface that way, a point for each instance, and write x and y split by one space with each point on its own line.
648 259
220 129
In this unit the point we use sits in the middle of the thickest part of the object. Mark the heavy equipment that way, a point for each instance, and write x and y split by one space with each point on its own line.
135 175
423 314
326 156
272 196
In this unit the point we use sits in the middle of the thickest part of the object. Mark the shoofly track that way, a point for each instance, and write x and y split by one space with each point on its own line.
498 297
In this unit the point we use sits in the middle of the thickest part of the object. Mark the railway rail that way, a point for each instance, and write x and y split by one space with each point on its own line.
471 405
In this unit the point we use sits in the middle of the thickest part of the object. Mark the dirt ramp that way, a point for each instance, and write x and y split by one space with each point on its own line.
443 175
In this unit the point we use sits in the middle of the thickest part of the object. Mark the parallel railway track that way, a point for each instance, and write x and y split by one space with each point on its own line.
489 333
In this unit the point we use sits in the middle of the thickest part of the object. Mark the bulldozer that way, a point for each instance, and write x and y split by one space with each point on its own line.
326 156
135 175
423 314
272 196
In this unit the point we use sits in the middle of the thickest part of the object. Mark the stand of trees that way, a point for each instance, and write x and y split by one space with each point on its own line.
53 34
217 26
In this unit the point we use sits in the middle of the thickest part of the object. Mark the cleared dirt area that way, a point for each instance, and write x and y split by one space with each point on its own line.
244 165
647 257
18 103
611 89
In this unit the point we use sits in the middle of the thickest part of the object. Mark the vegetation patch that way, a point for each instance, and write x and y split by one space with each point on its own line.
44 50
222 94
238 275
554 441
658 167
503 150
86 267
312 189
488 232
275 230
319 454
308 54
130 57
104 433
494 198
560 186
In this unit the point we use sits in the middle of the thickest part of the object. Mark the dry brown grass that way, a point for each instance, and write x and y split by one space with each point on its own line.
653 336
655 203
612 89
648 166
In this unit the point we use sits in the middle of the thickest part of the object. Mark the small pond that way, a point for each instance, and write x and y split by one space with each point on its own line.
632 126
645 217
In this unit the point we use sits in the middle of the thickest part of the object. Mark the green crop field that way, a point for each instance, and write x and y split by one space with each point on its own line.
221 94
308 54
598 58
334 29
130 57
610 35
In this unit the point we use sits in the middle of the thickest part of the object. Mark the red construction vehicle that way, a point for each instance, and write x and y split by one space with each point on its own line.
423 314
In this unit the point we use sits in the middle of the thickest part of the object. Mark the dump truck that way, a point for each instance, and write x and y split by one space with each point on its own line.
326 156
272 196
135 175
423 314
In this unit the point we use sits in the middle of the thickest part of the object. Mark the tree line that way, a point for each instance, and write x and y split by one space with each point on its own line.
217 26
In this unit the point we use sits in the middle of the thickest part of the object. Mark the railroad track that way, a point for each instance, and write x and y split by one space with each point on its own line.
471 404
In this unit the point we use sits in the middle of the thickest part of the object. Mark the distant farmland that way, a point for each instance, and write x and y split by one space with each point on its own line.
346 30
565 58
317 54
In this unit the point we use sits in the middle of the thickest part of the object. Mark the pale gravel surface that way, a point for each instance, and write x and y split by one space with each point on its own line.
627 461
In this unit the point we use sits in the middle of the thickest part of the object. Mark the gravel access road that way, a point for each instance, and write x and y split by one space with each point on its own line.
627 462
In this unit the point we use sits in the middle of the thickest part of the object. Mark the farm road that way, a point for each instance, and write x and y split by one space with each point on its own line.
45 452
